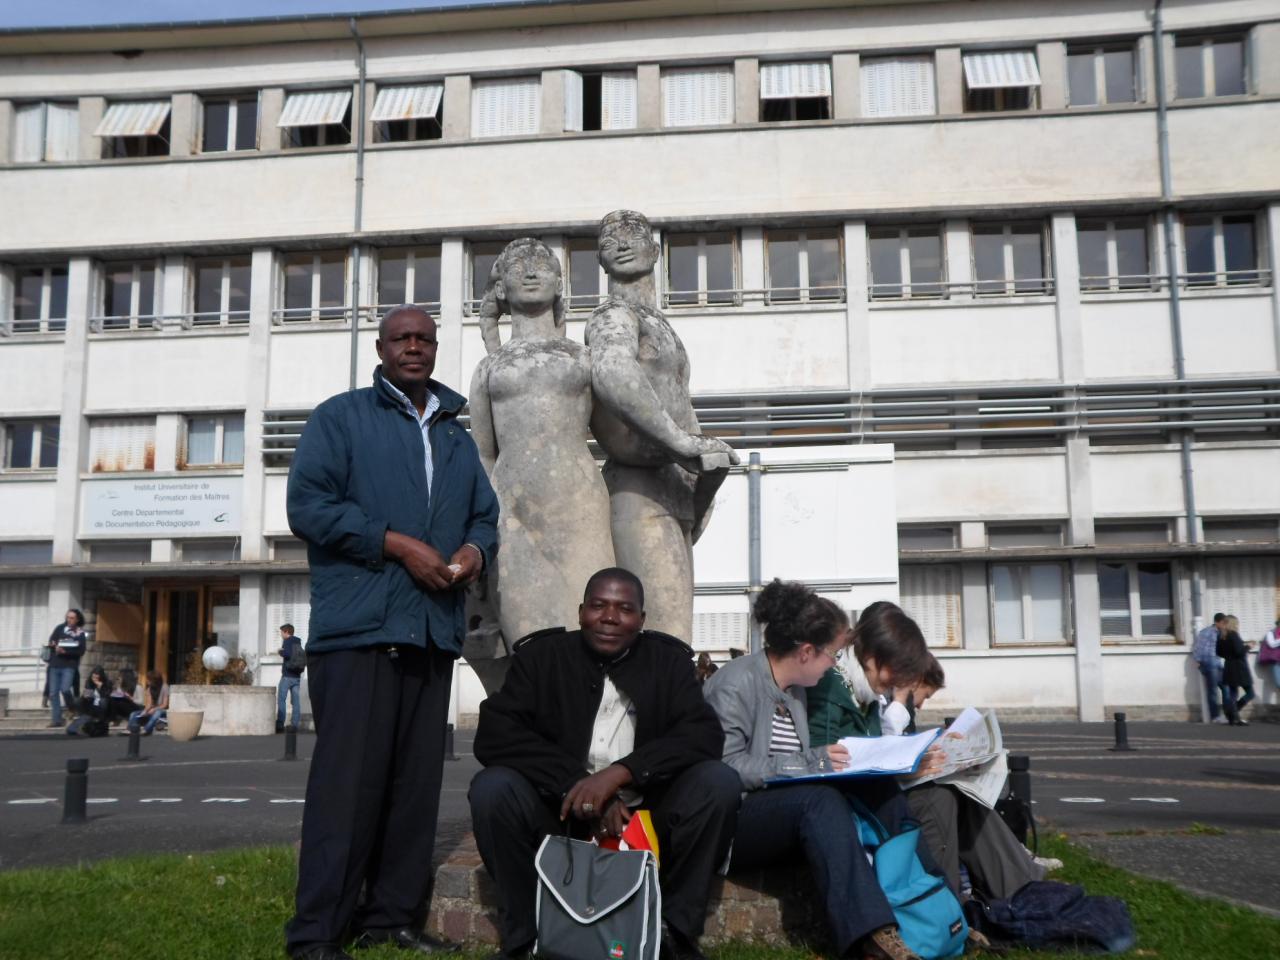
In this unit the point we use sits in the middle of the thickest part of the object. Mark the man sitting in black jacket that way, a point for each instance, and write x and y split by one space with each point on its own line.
591 725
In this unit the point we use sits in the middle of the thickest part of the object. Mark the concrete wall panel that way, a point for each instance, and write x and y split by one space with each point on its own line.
31 372
1237 480
1040 681
28 509
1149 679
309 367
1126 339
179 372
275 520
972 488
1228 336
1147 483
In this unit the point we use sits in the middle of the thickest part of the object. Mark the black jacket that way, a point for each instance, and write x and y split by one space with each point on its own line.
1235 655
539 724
68 648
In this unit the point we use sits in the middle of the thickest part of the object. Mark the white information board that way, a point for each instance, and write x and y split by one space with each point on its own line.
178 506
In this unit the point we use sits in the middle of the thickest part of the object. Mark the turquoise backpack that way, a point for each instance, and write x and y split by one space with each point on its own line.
930 919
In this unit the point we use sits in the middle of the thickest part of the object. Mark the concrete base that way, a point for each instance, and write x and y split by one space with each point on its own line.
228 711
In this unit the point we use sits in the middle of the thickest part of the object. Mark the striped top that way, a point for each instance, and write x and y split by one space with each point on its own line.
783 737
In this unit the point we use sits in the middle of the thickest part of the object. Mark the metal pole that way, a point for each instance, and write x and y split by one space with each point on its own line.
448 742
754 469
135 738
291 743
358 123
76 792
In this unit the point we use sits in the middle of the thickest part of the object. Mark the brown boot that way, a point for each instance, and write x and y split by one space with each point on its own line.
886 944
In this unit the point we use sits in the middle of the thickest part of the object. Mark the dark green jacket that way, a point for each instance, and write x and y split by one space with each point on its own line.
833 714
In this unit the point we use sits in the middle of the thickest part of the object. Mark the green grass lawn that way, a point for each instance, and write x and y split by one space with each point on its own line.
232 906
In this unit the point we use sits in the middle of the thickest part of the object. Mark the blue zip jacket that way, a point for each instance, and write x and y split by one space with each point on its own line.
357 472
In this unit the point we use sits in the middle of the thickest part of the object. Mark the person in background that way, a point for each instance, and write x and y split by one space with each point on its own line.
157 704
1205 653
290 678
759 700
67 643
1269 655
126 697
705 667
1235 673
94 705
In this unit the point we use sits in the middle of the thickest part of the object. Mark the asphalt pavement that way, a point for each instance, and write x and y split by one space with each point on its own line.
1195 804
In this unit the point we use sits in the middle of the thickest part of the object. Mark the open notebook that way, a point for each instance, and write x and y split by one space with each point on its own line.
872 757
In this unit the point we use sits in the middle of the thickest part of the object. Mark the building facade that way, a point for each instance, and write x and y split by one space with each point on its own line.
1033 250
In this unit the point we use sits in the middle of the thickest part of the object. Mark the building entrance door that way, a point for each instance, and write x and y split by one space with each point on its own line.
182 617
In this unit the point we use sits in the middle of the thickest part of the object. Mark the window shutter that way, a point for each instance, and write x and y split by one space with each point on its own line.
28 133
697 96
117 445
1001 68
618 101
721 631
143 118
572 101
782 81
1249 588
506 108
931 597
289 601
62 130
24 608
898 87
419 102
314 108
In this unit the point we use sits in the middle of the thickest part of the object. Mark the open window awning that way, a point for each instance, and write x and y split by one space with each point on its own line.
139 118
417 102
314 108
1001 68
782 81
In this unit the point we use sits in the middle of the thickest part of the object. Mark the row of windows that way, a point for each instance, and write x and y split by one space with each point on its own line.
1097 73
940 537
120 444
805 265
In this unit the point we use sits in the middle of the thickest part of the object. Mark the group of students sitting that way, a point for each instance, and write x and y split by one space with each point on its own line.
103 702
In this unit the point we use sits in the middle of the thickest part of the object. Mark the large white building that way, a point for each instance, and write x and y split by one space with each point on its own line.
1032 246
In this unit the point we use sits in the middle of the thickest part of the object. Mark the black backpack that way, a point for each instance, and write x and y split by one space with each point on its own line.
297 661
1046 913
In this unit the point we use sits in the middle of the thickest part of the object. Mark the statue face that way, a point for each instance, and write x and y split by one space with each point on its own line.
627 251
530 281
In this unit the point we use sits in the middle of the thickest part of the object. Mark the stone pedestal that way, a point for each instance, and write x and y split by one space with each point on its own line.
228 711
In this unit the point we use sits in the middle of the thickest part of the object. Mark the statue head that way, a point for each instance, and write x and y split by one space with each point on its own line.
627 248
526 275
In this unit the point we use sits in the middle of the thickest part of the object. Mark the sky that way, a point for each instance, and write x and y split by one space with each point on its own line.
22 14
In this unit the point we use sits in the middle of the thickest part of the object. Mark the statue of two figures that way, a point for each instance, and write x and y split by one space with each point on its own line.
537 399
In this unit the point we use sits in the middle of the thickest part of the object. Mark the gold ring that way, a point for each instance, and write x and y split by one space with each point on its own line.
588 807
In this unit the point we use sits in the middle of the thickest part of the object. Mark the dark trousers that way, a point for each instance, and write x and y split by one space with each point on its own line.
815 819
693 815
373 792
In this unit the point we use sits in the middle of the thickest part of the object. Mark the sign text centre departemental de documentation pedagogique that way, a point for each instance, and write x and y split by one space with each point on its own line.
158 508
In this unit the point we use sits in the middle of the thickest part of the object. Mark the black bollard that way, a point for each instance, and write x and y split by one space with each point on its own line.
291 743
448 742
1020 777
77 791
135 742
1015 809
1122 735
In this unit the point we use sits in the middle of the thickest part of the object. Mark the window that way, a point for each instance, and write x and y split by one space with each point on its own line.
209 551
701 269
1004 80
408 275
136 129
930 595
795 91
1114 254
1220 249
898 87
216 440
24 615
315 286
221 290
288 550
1009 259
16 553
121 444
120 551
1028 602
402 114
1126 534
230 123
905 262
926 538
1136 598
130 295
288 601
510 107
1101 74
483 257
30 444
1209 67
39 299
587 281
316 118
599 101
1253 530
1024 535
804 265
45 132
697 96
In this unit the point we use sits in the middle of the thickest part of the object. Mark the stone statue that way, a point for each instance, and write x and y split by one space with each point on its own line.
531 407
662 473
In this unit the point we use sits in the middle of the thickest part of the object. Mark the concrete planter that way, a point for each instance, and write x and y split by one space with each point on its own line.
183 724
228 711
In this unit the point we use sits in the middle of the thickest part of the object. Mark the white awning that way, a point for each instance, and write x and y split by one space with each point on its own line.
407 103
140 118
1002 68
314 108
782 81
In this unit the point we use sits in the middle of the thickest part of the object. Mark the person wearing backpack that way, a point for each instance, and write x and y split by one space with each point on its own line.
295 661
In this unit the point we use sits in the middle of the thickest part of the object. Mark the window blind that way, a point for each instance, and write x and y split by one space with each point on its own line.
24 612
1001 68
420 101
61 131
697 96
143 118
782 81
314 108
898 87
506 108
288 601
618 101
1249 588
931 597
119 444
572 100
28 133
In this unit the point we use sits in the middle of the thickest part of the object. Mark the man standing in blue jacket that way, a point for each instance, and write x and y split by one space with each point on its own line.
388 492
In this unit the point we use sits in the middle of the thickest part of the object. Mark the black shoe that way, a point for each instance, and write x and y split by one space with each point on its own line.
676 946
279 728
406 938
320 951
521 953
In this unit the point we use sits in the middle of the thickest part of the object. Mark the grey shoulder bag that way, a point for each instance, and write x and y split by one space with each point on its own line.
595 904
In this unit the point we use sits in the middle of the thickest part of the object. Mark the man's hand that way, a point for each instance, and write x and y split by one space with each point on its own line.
588 797
615 820
469 563
422 560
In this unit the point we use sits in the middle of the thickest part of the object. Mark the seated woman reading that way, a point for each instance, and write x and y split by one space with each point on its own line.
847 702
759 699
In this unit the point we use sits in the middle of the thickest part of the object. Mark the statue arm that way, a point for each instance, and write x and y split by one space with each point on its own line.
482 417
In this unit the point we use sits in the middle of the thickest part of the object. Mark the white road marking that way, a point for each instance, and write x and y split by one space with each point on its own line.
160 800
32 800
288 800
1156 799
102 800
1082 800
225 800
